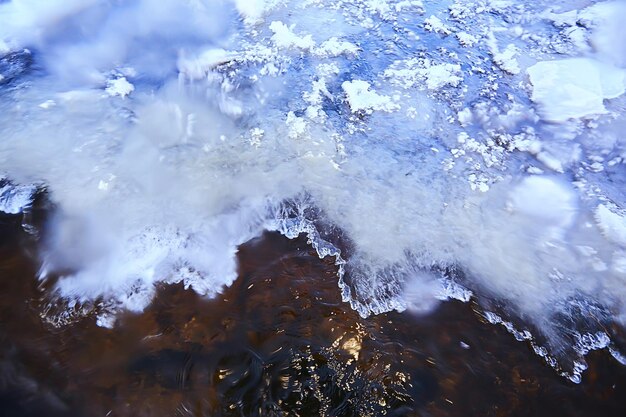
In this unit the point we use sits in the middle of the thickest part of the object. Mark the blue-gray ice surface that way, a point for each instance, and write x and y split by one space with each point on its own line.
460 148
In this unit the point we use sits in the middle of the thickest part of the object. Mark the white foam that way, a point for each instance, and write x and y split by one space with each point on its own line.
544 201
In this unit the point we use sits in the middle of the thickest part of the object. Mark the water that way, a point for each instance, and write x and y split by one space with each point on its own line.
279 341
429 151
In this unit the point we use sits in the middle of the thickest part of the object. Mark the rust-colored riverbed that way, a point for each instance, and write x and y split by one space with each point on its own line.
279 342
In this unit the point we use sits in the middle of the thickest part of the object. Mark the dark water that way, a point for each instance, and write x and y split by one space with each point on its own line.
279 342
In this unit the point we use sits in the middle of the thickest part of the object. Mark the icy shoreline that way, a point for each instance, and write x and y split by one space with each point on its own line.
482 134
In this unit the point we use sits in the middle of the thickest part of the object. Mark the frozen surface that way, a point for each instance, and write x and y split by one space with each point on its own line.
575 87
14 199
458 149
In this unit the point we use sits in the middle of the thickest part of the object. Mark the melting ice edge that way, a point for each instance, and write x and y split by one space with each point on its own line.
479 135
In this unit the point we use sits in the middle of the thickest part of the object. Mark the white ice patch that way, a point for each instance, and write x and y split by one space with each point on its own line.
361 97
335 47
119 87
284 37
574 88
15 198
434 24
612 225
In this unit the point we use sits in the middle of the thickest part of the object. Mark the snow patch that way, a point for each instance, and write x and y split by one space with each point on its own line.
362 98
14 199
119 87
612 225
334 47
284 37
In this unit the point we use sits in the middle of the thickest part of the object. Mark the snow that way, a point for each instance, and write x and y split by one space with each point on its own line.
14 199
465 117
361 97
434 24
562 19
119 87
574 87
284 37
297 126
334 47
409 4
47 104
549 161
612 225
506 59
438 76
465 39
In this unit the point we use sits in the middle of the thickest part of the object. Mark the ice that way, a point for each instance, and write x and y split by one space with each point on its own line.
362 97
119 87
284 37
613 225
466 39
434 24
408 128
609 35
14 199
574 88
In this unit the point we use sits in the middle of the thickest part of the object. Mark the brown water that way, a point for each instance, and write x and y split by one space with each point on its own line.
279 342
